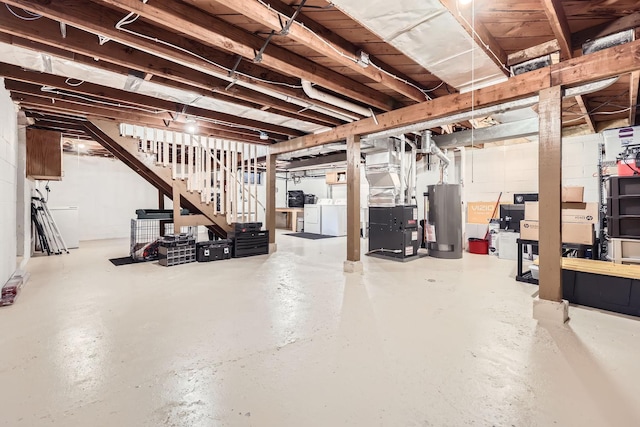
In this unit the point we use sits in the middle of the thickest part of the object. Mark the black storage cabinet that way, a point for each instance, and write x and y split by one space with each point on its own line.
250 243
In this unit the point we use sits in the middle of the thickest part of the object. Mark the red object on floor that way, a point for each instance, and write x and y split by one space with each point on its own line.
479 246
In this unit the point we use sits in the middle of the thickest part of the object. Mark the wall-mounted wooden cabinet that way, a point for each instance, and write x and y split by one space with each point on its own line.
338 177
44 155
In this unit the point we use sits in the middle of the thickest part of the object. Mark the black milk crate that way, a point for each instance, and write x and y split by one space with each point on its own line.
213 250
251 243
175 255
241 227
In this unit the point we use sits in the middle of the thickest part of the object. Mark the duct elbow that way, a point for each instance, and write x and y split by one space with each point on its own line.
314 93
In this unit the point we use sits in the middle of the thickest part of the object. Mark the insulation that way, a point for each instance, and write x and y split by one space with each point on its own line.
431 36
54 65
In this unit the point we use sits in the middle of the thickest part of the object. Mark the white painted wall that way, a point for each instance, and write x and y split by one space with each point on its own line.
107 194
514 169
8 185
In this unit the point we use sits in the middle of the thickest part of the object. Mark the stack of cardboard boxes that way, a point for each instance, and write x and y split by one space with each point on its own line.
578 218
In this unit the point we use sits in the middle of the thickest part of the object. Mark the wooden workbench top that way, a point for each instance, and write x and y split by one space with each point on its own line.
600 267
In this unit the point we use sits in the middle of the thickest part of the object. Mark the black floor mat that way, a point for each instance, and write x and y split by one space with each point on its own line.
312 236
125 260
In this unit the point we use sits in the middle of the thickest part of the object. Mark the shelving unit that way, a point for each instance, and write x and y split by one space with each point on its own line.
339 177
623 207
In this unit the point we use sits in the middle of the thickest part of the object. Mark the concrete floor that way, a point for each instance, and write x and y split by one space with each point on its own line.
291 340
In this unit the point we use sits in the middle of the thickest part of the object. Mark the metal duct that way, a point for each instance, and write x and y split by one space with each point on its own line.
313 93
432 148
487 111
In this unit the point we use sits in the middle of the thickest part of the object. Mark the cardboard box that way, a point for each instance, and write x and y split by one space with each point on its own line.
586 213
529 230
581 233
573 194
531 211
572 232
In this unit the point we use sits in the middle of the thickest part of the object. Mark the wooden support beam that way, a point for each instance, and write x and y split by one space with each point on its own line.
584 109
596 66
633 97
271 198
209 30
353 198
550 190
267 16
560 26
160 199
479 33
533 52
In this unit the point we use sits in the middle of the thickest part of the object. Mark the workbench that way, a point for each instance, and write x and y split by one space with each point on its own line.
601 284
525 276
292 216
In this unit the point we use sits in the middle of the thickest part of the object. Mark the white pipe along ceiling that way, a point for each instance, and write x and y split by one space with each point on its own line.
431 36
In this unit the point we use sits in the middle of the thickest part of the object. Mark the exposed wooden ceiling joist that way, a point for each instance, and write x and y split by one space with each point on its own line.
167 109
625 23
212 31
596 66
259 12
102 20
560 26
61 107
585 110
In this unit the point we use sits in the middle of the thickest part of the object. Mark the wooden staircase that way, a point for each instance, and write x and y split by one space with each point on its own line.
207 175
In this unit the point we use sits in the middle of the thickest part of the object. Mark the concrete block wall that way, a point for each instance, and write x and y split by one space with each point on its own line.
8 185
514 169
106 192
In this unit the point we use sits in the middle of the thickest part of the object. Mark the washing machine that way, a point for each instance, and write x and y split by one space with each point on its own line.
334 218
313 216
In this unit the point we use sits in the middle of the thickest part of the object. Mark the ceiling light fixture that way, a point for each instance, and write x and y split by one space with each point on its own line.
191 125
264 136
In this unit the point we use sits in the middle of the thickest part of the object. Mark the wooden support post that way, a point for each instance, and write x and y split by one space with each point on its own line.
353 204
160 199
177 224
271 200
550 189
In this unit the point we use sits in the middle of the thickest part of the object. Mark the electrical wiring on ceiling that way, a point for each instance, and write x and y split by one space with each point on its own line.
32 17
344 55
475 34
132 17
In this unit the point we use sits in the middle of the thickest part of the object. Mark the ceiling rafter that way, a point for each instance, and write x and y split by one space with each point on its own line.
273 19
132 50
212 31
45 106
173 109
559 25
